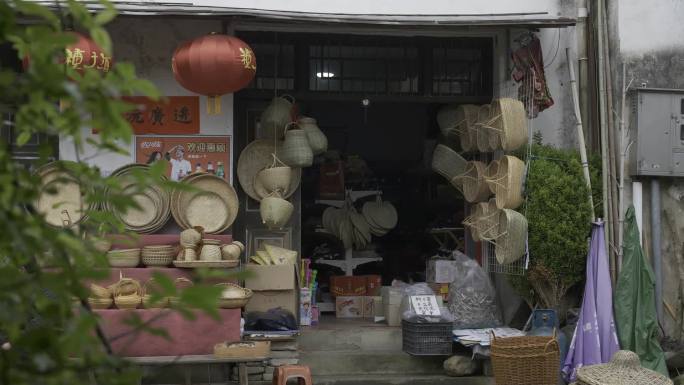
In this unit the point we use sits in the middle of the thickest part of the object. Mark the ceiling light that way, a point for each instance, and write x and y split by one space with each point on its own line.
325 75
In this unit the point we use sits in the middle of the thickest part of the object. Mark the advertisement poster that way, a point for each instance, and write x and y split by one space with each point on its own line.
173 115
186 154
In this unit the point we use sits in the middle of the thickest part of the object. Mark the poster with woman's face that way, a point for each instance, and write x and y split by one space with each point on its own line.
186 154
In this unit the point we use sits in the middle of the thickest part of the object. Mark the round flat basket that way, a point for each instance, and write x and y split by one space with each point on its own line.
511 238
153 201
224 264
506 182
255 157
214 207
60 198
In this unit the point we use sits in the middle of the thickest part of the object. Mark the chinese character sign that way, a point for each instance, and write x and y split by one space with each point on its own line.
186 154
425 305
173 115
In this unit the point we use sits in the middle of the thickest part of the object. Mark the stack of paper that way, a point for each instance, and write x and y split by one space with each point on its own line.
470 337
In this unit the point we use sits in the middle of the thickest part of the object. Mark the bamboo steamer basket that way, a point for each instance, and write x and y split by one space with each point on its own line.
474 187
275 211
448 163
317 139
507 182
296 151
276 116
509 122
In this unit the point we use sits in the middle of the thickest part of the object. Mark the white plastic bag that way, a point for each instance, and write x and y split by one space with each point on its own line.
472 298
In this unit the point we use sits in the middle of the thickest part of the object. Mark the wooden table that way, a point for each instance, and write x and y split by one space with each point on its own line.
200 359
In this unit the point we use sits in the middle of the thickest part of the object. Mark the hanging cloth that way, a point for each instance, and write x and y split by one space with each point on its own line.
528 70
635 309
595 340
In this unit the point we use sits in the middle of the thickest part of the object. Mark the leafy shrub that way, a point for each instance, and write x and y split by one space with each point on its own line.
559 217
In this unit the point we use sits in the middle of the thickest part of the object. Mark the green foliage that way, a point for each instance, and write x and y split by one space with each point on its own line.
559 218
48 333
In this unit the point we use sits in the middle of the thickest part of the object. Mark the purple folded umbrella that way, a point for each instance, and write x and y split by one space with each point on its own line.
595 340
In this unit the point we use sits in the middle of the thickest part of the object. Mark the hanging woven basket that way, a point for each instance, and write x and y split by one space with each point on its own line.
510 237
317 139
473 182
449 164
275 178
296 151
509 123
505 180
275 211
276 116
467 131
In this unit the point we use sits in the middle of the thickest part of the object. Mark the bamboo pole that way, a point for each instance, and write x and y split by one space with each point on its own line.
624 149
580 132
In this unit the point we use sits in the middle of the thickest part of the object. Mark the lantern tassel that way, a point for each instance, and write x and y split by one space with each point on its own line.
216 108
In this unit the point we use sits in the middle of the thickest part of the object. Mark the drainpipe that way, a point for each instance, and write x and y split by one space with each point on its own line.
637 198
655 247
582 66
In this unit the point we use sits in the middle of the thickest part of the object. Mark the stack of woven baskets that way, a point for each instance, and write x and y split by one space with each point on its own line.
499 126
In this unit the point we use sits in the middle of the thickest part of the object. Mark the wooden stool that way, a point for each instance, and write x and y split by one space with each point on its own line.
282 373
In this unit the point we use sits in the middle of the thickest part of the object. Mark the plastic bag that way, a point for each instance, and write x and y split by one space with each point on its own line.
409 314
472 298
277 319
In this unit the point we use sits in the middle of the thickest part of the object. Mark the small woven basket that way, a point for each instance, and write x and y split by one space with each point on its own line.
296 151
526 360
234 296
100 303
146 297
100 292
181 283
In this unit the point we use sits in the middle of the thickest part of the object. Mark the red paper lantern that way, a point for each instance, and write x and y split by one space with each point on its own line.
85 53
214 65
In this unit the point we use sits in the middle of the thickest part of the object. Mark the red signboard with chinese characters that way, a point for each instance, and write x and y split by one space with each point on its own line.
186 154
172 115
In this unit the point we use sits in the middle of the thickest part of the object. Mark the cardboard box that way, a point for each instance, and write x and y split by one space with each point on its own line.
270 299
391 303
369 306
270 277
305 310
349 307
373 285
440 270
348 285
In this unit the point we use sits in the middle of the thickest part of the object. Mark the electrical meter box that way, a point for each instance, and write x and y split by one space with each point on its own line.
658 119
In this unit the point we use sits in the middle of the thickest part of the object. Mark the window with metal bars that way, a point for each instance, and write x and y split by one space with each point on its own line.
372 65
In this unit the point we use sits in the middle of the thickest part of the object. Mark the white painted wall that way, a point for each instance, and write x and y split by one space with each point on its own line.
646 26
149 44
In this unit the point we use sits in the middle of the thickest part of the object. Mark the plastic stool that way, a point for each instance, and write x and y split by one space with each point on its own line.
282 373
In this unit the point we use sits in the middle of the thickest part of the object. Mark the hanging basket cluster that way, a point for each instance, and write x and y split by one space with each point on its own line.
214 65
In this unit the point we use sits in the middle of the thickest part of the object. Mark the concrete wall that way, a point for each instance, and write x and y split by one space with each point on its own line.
149 44
647 38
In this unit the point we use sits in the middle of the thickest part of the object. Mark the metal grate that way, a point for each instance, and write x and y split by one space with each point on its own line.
276 66
457 70
368 69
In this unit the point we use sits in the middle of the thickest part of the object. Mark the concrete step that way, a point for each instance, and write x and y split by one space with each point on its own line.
356 339
326 363
401 380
